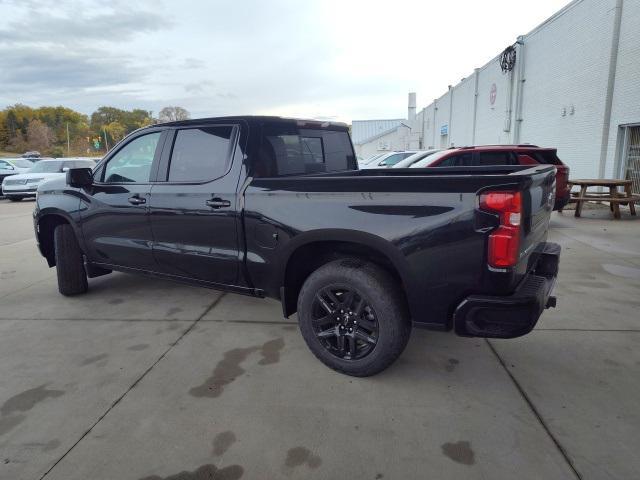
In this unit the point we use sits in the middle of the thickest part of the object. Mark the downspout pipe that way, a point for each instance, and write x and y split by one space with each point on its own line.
613 63
433 127
449 129
475 105
517 127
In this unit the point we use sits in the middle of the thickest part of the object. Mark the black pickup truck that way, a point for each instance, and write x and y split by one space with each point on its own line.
277 208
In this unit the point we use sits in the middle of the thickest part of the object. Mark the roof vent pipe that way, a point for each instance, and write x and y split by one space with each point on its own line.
411 110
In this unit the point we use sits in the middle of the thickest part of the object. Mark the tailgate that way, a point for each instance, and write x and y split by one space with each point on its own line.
538 198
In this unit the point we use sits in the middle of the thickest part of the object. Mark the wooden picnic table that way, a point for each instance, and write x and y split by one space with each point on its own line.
614 197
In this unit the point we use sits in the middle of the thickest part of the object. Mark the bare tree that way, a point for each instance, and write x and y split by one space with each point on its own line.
39 136
171 114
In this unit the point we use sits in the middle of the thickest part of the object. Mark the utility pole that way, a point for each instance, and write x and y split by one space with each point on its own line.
106 143
68 143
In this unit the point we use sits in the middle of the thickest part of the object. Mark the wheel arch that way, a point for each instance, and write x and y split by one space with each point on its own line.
46 225
310 251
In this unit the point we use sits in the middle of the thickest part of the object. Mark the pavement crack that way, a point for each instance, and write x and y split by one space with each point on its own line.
136 382
535 411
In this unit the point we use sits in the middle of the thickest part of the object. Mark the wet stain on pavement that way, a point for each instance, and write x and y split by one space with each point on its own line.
459 452
94 359
138 347
116 301
173 311
298 456
270 351
226 371
45 446
379 476
290 328
452 363
222 442
8 423
610 362
229 368
205 472
173 326
28 399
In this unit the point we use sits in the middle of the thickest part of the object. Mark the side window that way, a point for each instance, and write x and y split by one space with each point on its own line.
287 150
495 158
392 159
200 154
463 160
132 163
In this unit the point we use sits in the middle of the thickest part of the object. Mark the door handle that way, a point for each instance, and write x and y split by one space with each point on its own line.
218 203
137 200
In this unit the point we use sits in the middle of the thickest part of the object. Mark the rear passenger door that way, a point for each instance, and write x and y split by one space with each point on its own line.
193 204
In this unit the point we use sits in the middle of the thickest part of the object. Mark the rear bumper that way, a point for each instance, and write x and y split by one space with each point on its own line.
516 314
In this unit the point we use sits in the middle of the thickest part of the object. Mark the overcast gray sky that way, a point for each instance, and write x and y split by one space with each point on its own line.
342 59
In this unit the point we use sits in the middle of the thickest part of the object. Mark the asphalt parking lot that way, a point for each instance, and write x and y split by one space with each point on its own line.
147 379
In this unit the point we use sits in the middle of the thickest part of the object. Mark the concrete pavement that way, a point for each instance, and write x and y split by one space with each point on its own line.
147 379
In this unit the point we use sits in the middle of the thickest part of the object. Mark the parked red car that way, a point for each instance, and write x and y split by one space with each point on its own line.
504 155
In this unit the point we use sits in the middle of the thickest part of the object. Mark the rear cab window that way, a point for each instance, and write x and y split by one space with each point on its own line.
287 149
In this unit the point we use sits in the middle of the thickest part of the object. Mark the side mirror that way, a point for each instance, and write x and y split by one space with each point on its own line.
10 167
79 177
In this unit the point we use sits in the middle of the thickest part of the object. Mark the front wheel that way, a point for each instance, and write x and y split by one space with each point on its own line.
72 278
353 317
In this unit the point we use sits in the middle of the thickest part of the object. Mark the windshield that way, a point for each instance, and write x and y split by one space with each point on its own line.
47 167
393 159
407 162
431 158
21 163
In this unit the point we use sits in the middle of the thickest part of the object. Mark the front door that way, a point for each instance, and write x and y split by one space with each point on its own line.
193 206
115 219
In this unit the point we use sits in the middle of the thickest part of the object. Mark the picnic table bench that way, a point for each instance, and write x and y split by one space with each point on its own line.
614 197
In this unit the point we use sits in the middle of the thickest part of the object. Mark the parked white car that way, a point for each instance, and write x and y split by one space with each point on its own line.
416 157
23 185
387 160
13 166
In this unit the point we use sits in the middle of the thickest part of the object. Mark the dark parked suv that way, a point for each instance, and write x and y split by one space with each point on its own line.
274 207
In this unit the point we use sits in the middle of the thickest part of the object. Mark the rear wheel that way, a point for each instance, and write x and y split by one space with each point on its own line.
72 278
353 317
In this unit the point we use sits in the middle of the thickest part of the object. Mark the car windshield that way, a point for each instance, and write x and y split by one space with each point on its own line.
47 167
431 158
21 163
416 157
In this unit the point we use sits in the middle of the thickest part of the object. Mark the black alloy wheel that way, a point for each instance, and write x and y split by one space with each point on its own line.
344 322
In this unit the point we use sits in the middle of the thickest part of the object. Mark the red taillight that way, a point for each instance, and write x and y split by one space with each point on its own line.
504 242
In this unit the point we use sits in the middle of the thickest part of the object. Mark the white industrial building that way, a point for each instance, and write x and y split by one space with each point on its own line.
575 85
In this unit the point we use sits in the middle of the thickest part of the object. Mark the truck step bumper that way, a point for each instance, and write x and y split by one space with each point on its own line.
516 314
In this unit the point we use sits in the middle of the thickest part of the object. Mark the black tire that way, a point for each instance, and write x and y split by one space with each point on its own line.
384 307
15 199
72 278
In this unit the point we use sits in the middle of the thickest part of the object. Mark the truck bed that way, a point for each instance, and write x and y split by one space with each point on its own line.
425 220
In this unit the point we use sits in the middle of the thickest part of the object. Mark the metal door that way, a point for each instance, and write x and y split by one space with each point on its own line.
631 157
